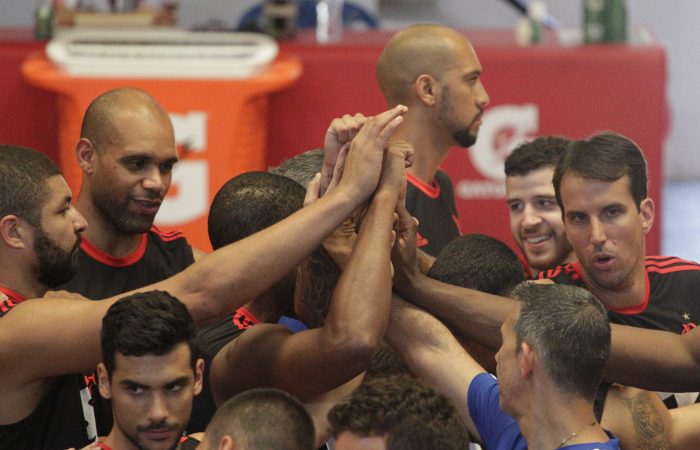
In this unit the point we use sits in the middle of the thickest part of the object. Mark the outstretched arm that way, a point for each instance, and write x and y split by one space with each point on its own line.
433 354
472 314
654 360
62 336
314 361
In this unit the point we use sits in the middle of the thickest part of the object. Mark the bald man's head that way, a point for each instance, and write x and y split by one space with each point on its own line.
102 113
416 50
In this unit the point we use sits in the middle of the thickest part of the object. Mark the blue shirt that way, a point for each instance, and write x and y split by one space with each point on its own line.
500 431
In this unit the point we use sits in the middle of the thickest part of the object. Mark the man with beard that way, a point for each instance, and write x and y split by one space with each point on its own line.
44 341
434 71
149 371
535 216
127 152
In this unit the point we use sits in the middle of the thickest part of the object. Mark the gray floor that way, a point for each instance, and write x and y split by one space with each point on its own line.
681 220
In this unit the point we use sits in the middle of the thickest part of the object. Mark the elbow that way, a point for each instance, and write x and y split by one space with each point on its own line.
358 348
205 309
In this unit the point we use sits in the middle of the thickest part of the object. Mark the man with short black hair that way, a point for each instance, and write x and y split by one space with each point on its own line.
601 187
535 216
149 371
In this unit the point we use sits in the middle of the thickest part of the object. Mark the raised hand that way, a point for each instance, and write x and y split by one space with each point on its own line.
364 161
340 132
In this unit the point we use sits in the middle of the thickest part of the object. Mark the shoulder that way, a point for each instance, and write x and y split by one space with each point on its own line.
670 264
637 417
496 428
166 236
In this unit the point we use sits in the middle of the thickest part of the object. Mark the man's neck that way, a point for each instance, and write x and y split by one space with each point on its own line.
554 421
24 284
429 153
103 234
628 294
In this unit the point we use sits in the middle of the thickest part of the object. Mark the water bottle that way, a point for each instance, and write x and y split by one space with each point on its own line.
536 12
329 21
43 20
594 21
616 21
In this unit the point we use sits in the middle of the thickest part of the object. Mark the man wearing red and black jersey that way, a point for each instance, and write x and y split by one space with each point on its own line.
126 152
434 71
601 186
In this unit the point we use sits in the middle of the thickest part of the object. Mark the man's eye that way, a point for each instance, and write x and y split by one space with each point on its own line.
613 212
135 165
547 204
577 218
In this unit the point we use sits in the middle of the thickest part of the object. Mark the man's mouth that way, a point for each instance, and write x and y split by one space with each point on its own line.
148 205
602 261
533 240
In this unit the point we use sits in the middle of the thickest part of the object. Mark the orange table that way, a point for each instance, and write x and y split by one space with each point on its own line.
220 127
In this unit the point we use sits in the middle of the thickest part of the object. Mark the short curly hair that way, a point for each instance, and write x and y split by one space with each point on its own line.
389 406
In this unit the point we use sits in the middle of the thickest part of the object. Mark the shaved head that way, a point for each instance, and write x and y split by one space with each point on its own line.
99 121
413 51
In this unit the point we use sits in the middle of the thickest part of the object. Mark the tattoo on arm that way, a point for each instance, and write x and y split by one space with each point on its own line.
649 430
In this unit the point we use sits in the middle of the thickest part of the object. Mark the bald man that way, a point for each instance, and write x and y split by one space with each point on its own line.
126 152
434 71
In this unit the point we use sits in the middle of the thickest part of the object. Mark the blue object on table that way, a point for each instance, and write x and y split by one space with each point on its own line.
352 15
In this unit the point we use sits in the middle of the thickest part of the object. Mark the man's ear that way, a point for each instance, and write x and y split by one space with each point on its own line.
198 376
646 210
227 443
527 360
85 154
427 89
14 231
103 381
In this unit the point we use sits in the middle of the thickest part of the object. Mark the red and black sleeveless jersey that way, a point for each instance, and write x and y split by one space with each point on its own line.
63 417
672 300
671 303
160 255
211 339
434 207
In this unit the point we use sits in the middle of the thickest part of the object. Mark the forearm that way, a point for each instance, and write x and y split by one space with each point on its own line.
468 312
362 298
433 354
229 277
654 360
